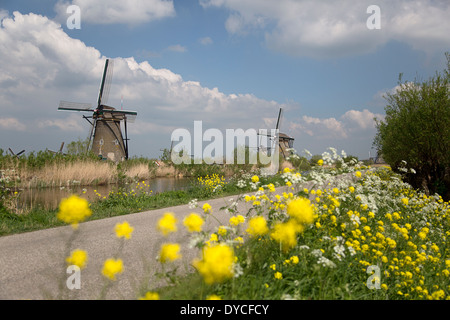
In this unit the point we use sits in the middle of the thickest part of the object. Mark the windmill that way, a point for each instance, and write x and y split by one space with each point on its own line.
285 142
16 154
105 139
60 149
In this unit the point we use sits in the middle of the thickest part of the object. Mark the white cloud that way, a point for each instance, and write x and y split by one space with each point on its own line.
323 128
130 12
362 119
329 29
177 48
12 124
71 123
205 41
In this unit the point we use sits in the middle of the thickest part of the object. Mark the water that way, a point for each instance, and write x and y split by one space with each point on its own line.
49 198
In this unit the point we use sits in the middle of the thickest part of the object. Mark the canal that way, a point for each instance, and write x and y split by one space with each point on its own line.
49 198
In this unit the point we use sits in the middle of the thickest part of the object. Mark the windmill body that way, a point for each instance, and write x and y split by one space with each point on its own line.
285 142
106 139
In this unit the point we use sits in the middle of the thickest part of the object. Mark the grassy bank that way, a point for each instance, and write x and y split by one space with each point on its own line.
135 198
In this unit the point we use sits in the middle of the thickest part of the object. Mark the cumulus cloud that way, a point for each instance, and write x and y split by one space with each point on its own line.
344 127
130 12
361 119
11 124
205 41
329 29
177 48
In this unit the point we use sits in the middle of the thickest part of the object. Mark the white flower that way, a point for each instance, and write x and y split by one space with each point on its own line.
326 262
193 204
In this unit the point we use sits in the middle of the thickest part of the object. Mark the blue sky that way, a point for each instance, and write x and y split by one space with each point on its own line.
231 64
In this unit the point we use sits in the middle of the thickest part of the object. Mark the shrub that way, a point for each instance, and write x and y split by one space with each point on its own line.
416 131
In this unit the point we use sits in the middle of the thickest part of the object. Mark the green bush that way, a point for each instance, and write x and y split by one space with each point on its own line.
416 133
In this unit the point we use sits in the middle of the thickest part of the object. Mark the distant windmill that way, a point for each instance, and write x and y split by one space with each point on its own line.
285 142
16 154
106 139
60 149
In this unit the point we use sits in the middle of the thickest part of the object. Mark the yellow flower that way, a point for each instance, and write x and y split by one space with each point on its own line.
255 179
78 257
405 201
111 267
150 296
358 174
286 234
222 231
193 222
167 223
216 265
236 220
352 189
123 230
301 210
271 187
213 297
73 210
169 252
320 162
278 275
294 259
207 208
257 226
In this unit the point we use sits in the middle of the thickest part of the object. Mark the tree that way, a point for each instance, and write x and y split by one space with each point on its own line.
416 129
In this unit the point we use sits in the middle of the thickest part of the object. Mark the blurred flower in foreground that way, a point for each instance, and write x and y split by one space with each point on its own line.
301 210
73 210
169 252
111 267
123 230
78 257
193 222
217 263
167 224
257 226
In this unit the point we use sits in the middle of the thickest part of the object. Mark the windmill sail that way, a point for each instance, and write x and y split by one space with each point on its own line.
74 106
109 67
